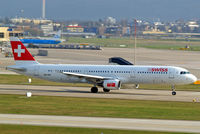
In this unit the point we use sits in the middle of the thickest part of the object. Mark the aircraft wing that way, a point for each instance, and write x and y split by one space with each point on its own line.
93 78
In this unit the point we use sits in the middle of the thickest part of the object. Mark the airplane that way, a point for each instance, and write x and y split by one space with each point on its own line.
110 77
35 42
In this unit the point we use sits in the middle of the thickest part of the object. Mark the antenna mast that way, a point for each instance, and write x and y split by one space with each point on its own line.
43 9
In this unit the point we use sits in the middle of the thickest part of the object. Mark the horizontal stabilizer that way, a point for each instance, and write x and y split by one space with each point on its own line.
16 69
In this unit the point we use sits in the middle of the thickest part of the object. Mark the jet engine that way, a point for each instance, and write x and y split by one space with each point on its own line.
112 84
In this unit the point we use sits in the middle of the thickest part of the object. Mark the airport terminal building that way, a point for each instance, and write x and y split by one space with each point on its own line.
6 33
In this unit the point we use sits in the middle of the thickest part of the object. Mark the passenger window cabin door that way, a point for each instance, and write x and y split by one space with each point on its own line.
86 71
132 74
171 73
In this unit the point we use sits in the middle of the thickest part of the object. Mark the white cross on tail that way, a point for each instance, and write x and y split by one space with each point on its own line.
19 51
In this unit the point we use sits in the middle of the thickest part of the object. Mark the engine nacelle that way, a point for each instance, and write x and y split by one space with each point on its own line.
112 84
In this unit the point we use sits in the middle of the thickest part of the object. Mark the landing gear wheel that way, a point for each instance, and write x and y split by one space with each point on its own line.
173 90
106 90
173 93
94 90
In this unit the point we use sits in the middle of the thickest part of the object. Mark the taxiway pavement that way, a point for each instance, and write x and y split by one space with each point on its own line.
135 94
106 123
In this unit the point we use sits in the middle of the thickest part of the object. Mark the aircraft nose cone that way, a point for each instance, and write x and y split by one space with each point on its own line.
193 78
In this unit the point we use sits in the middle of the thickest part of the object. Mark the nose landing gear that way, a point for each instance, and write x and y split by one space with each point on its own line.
173 90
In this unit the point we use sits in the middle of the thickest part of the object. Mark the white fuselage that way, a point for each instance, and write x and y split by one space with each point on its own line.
126 74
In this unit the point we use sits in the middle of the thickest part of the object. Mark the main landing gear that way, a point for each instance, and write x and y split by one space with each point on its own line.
173 90
94 90
106 90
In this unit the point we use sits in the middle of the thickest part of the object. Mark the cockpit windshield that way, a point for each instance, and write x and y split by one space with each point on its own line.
184 72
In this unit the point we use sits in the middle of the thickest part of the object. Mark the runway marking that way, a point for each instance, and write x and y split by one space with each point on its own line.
97 122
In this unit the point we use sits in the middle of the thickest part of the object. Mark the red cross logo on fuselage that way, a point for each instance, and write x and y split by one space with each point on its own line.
19 51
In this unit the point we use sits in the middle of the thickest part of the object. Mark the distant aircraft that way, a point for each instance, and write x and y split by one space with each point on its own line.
110 77
35 42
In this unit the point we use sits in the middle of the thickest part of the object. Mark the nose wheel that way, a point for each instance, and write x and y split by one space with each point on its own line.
173 90
173 93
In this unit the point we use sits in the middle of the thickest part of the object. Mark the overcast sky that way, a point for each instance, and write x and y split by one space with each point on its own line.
96 9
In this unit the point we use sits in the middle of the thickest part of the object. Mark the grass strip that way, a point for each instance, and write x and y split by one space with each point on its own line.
23 129
173 44
94 107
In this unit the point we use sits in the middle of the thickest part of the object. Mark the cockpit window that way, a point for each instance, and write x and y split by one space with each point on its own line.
184 72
